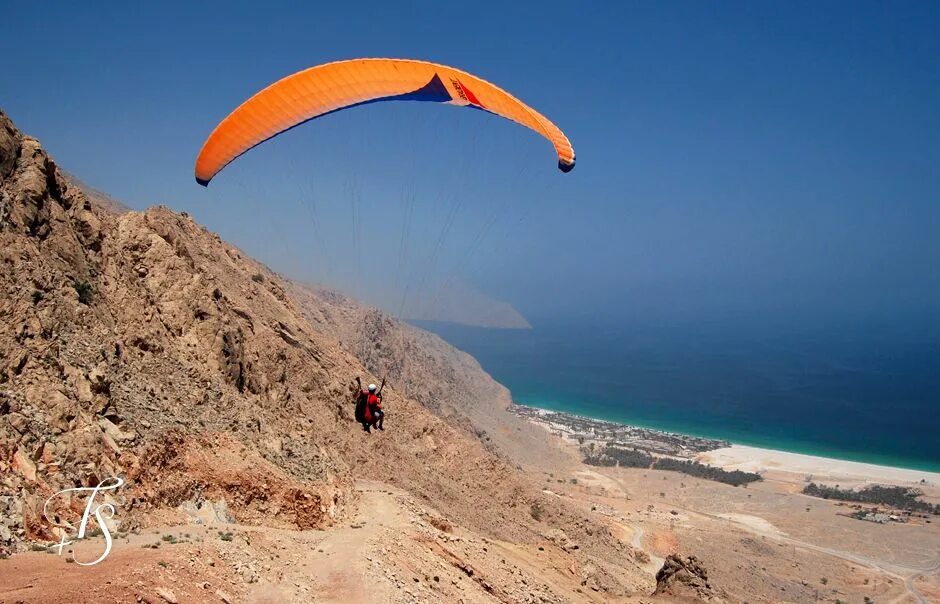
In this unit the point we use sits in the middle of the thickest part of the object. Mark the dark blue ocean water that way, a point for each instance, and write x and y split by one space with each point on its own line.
869 394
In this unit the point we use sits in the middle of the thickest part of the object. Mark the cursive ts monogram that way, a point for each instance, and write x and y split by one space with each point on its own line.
108 484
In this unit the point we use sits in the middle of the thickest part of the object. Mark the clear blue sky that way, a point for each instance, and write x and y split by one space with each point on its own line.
777 161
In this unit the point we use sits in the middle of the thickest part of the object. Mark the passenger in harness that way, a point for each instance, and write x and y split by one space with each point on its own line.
369 411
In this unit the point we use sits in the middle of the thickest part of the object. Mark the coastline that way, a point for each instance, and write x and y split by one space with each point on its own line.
788 466
858 425
816 468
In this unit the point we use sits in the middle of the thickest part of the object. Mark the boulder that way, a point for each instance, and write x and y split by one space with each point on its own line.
685 577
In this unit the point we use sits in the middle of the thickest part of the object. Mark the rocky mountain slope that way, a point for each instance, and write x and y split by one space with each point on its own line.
139 344
445 380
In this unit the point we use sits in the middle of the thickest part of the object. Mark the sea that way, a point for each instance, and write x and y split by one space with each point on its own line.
870 395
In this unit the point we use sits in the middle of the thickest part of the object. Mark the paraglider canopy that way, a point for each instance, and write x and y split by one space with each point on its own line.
330 87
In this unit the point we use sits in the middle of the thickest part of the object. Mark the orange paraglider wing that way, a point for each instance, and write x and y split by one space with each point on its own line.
330 87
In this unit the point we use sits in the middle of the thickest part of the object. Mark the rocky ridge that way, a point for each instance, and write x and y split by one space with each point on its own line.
444 379
687 578
139 344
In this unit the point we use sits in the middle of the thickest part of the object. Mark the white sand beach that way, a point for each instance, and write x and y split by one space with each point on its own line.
754 459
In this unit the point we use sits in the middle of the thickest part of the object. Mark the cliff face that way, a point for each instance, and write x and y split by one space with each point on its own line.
119 331
444 379
139 344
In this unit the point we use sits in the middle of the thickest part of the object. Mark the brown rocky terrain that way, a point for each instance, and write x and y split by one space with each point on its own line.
138 344
683 578
446 380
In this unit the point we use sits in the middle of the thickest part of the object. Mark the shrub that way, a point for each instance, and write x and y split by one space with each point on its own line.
84 291
902 498
635 458
536 511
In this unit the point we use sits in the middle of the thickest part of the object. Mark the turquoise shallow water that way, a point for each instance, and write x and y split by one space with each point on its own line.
873 399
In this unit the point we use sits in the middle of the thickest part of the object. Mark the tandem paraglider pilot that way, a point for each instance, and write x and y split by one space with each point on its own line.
369 411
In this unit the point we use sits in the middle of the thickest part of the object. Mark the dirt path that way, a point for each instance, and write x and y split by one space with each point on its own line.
394 549
655 562
219 562
340 569
912 589
139 568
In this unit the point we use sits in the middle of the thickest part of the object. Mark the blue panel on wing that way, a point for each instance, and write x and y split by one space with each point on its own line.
433 92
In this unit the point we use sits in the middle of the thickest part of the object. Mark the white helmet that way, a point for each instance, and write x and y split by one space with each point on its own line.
371 387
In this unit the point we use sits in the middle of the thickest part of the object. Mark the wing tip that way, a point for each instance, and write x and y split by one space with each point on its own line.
566 166
204 182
